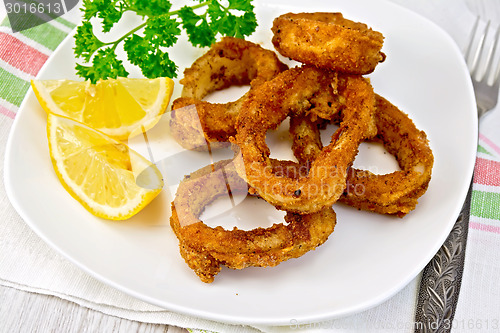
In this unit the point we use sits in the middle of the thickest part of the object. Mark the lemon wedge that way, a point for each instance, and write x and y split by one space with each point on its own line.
120 107
108 178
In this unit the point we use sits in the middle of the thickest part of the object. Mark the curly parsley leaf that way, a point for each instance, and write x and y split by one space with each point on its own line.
197 28
150 7
162 31
86 43
104 65
147 44
228 23
146 52
110 11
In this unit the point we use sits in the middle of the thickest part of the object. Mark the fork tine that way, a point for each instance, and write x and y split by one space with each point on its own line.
488 67
474 69
481 65
496 75
471 41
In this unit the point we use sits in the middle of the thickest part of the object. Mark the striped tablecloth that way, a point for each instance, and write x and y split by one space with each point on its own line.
486 196
23 54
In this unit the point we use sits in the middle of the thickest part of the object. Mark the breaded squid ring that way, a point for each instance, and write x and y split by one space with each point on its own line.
205 248
232 61
394 193
288 94
328 40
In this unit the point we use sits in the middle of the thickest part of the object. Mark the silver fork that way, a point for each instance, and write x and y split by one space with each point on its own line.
442 277
485 84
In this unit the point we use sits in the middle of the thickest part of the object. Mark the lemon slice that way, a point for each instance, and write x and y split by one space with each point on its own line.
107 177
120 107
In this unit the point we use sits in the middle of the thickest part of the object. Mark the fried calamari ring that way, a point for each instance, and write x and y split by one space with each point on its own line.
328 40
394 193
205 248
288 94
195 124
232 61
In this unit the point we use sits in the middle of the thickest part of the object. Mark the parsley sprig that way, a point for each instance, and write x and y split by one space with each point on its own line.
147 44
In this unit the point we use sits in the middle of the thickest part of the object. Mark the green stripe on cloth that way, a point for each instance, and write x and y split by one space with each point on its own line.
44 34
481 149
12 89
65 22
485 204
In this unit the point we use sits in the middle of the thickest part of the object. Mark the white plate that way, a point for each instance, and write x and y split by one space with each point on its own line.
368 258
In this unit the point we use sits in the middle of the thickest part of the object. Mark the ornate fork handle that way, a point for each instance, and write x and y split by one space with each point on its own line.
441 279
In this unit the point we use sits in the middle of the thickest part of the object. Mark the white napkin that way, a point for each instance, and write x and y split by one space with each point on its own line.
27 263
